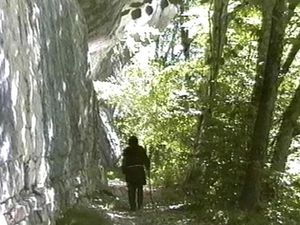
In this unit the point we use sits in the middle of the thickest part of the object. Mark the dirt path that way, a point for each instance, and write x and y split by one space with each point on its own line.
160 215
110 206
116 208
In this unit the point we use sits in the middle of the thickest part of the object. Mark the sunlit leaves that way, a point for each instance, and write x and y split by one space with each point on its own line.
163 105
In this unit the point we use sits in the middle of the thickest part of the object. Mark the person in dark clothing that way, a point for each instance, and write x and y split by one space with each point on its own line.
134 161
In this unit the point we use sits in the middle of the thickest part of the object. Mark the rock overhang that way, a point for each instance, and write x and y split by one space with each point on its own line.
115 23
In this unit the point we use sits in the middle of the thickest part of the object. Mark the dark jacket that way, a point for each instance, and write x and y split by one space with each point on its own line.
134 161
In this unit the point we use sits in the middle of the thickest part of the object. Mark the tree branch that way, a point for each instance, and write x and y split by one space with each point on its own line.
291 56
289 128
295 47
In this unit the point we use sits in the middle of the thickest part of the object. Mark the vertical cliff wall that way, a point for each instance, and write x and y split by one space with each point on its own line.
54 140
51 141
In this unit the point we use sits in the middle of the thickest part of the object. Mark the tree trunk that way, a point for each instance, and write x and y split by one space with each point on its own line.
289 126
263 47
215 52
250 195
184 32
218 35
286 133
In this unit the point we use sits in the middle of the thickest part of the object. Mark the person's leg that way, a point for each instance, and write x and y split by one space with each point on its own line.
131 196
140 196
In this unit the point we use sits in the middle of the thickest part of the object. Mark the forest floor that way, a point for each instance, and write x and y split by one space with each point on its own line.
160 207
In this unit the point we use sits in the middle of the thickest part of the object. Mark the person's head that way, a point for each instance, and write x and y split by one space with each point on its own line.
133 141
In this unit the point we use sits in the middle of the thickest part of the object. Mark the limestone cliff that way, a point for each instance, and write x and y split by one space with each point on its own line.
54 140
51 137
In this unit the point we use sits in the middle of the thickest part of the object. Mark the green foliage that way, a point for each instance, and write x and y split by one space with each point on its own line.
163 116
164 106
219 169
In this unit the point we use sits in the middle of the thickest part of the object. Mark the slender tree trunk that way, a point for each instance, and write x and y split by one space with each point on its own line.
157 47
184 32
289 126
263 48
215 51
250 195
218 35
218 32
286 133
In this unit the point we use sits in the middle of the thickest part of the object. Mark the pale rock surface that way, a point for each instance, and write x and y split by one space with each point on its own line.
55 140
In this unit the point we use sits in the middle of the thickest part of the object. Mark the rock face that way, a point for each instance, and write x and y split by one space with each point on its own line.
52 144
54 138
123 25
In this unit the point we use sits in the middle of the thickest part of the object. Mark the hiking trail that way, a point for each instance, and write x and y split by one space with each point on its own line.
115 207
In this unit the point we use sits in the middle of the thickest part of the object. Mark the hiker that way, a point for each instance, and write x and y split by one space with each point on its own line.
134 161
